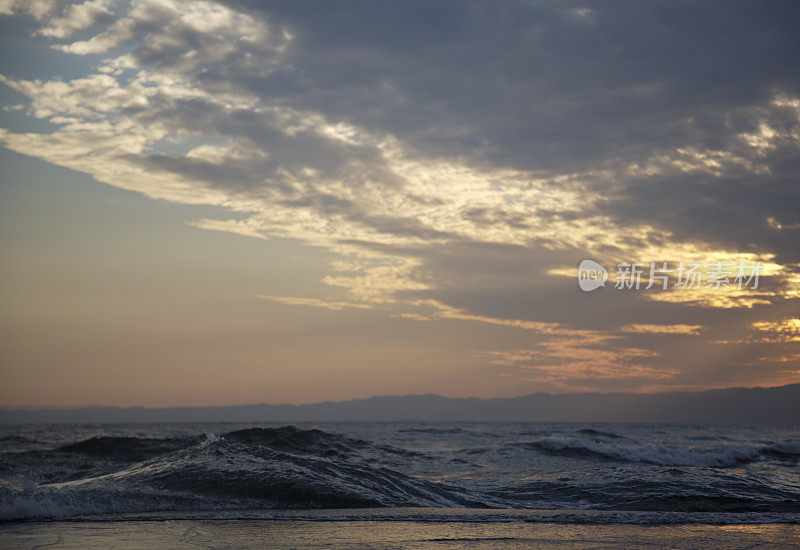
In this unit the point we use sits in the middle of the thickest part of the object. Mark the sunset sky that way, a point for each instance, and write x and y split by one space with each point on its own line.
209 203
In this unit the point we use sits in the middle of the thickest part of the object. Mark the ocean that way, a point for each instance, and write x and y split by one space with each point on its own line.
471 471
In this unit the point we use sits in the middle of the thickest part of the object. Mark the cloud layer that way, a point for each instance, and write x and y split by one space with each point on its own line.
460 159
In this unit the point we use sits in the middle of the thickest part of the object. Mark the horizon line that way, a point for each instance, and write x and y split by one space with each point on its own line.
383 396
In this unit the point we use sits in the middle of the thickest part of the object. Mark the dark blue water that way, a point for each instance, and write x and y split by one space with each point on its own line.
120 470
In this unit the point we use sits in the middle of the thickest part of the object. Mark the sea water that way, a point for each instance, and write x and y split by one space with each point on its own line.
567 472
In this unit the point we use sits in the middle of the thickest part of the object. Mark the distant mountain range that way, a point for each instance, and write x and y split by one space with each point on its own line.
774 406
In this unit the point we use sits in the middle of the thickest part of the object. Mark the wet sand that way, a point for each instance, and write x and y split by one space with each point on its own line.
337 534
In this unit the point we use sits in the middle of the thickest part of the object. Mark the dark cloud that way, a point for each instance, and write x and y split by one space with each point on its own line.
566 86
534 83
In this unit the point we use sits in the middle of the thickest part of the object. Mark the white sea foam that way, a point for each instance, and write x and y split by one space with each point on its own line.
663 455
209 438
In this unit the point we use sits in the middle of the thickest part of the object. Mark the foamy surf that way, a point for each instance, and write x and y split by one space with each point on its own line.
721 456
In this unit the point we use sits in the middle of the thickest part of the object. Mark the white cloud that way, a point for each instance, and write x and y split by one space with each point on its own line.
644 328
78 17
37 8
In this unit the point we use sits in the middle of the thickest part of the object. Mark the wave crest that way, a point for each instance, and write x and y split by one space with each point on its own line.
226 473
662 455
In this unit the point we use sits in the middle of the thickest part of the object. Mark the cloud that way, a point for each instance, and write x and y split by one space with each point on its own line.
79 17
39 9
239 227
784 330
662 329
313 302
575 364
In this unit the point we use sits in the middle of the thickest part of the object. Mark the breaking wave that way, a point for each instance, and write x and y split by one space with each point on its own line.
599 434
663 455
242 469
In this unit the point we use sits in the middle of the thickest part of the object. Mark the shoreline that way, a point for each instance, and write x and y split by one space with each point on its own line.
432 515
360 533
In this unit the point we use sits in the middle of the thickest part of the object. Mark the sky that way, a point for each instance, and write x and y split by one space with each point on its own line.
229 202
